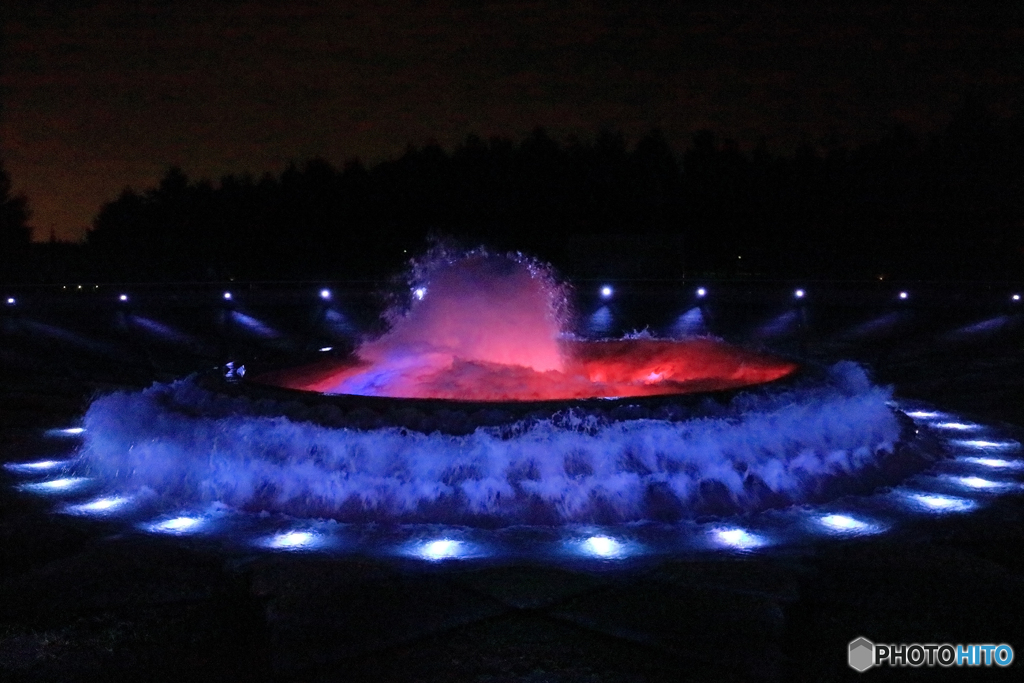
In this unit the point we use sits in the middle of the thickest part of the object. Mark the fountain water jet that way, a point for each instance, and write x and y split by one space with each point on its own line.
477 408
491 328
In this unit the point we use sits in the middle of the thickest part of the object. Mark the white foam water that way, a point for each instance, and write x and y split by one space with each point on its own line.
193 446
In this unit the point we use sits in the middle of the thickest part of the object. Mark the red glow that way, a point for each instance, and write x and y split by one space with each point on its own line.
591 369
486 327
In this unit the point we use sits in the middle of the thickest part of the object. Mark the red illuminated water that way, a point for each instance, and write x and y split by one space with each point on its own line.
489 328
593 369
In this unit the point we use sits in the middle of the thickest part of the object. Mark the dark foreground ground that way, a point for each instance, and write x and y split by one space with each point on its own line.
81 602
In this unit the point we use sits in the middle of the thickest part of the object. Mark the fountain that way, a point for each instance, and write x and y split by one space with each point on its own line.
478 425
477 408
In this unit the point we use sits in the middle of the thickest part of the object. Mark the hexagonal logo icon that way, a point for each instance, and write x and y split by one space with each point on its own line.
862 654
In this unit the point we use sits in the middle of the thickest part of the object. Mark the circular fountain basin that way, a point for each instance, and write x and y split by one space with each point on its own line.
607 369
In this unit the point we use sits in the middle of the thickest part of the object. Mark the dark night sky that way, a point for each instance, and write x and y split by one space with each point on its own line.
100 95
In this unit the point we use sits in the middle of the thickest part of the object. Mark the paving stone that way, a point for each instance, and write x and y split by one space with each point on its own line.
528 647
531 587
900 593
776 578
320 612
111 575
734 630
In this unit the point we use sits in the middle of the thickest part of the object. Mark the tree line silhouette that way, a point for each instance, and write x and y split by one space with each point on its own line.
947 207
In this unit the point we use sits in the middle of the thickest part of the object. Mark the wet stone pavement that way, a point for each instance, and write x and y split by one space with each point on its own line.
81 600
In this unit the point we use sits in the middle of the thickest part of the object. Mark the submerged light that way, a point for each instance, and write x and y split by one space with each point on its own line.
227 296
924 414
419 293
904 295
123 297
847 525
10 301
602 546
38 466
799 294
995 463
982 444
56 485
100 506
939 503
441 549
1015 297
293 540
606 292
325 294
980 484
957 426
737 538
177 525
701 292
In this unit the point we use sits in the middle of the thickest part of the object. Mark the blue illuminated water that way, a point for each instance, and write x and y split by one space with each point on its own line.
203 478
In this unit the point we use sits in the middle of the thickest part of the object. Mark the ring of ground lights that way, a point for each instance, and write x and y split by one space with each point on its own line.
980 464
593 478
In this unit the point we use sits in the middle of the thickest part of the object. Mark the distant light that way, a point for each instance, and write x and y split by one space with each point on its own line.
847 524
904 295
294 540
177 525
38 466
938 503
227 296
419 293
701 292
739 539
325 294
123 297
606 292
56 485
957 426
10 301
324 349
1015 297
799 294
100 506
